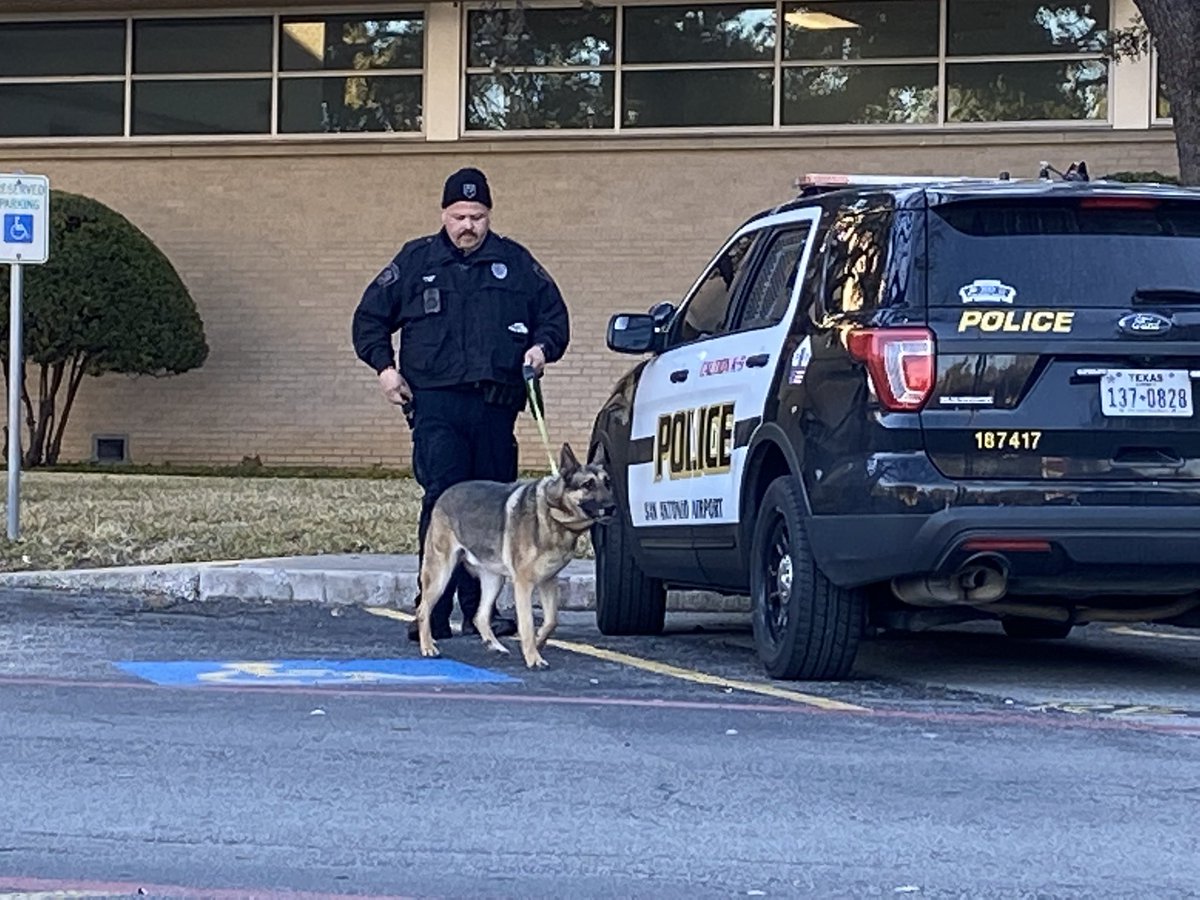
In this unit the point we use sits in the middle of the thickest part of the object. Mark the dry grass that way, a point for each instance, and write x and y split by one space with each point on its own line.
82 520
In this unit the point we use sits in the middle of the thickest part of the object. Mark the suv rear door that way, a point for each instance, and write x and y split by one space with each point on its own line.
1068 335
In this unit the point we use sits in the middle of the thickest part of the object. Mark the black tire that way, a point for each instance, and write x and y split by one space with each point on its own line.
805 627
1023 629
627 600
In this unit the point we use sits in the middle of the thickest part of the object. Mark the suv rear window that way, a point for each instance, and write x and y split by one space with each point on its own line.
1076 252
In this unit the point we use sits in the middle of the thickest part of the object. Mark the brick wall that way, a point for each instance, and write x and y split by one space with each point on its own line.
277 242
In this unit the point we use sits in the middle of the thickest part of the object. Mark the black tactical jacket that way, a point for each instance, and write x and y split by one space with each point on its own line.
463 319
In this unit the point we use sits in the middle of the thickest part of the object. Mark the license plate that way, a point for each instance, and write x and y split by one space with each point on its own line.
1146 392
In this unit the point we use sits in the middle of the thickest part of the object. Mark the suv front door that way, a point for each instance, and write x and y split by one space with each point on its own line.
699 401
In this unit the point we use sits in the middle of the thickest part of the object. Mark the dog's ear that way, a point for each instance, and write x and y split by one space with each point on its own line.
599 456
566 460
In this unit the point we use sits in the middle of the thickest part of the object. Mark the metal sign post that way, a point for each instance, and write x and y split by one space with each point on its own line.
16 360
24 240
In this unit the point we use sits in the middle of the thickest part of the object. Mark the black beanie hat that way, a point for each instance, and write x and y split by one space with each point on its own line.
467 184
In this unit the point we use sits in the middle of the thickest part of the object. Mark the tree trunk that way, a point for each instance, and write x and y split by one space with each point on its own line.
47 426
48 384
78 370
1175 28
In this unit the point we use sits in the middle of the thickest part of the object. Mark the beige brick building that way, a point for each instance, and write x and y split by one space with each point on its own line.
638 137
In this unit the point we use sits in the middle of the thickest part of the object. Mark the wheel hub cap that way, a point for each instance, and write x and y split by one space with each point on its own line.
784 579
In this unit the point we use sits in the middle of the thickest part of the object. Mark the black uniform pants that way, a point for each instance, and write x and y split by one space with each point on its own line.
459 437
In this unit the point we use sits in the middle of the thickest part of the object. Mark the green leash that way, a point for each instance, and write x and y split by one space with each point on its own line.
530 378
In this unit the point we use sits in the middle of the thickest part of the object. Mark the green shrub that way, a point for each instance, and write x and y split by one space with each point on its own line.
108 300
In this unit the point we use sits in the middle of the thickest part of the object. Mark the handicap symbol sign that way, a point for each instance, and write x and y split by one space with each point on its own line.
18 228
309 672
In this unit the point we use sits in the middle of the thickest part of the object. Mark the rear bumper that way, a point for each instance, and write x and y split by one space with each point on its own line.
1092 549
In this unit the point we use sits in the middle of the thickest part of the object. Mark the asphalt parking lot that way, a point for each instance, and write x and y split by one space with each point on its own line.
238 750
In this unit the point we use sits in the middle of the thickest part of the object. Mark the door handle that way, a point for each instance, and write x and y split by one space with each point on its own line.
761 359
679 375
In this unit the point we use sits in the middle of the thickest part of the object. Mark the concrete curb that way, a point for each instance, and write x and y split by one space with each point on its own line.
324 581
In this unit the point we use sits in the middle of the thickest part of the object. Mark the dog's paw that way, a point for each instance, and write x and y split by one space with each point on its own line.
431 650
537 662
496 647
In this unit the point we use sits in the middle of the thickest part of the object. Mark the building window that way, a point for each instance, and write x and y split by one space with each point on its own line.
698 65
351 73
201 76
786 63
861 63
540 68
219 75
62 80
1026 60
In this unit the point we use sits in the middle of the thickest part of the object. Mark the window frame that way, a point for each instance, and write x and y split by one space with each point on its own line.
275 73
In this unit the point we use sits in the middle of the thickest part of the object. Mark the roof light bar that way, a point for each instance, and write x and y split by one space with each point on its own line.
830 179
817 181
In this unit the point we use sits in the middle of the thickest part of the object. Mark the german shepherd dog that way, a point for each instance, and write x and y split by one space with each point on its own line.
526 532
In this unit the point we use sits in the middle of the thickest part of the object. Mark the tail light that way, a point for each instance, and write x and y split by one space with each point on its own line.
902 363
1118 203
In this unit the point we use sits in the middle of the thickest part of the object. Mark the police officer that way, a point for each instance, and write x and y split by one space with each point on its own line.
473 310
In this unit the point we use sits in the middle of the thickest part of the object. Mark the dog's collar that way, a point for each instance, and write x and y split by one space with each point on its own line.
584 524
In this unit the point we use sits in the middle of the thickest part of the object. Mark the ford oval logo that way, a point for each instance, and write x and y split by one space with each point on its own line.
1148 324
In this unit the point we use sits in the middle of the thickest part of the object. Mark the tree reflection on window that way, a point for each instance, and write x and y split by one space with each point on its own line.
855 264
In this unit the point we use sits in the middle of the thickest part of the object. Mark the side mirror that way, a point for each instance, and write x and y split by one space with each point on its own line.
632 333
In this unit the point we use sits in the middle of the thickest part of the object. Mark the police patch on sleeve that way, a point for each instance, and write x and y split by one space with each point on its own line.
388 275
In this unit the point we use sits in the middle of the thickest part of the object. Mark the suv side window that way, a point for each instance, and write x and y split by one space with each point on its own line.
767 298
706 312
856 257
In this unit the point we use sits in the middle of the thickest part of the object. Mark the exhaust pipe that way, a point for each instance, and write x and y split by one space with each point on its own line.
981 580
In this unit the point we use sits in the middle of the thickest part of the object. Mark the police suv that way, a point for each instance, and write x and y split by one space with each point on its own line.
905 402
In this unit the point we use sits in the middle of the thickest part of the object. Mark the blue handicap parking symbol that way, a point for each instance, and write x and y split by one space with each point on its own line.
18 228
295 672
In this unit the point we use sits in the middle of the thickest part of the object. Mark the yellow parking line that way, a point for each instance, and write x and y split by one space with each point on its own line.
390 613
670 671
1134 632
692 675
